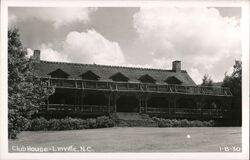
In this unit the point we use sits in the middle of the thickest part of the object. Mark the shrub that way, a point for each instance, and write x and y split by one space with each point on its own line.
54 124
38 124
165 123
211 123
145 116
74 123
64 124
69 123
83 124
206 124
161 122
90 123
192 124
114 117
176 123
104 122
185 123
156 119
197 123
16 125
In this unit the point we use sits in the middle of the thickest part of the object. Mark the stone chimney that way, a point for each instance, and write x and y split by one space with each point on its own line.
176 66
36 55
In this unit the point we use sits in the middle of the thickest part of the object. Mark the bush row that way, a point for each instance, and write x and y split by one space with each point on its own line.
69 123
182 123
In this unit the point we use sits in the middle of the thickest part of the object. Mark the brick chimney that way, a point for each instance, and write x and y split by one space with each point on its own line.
176 66
36 55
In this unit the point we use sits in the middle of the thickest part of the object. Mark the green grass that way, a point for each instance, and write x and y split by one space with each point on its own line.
136 139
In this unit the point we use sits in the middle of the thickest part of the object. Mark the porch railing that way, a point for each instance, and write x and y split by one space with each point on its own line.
105 109
188 111
75 108
137 87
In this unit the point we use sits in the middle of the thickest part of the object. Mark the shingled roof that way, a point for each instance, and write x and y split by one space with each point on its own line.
75 70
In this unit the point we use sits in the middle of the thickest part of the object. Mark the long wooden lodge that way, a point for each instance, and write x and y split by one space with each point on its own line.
94 90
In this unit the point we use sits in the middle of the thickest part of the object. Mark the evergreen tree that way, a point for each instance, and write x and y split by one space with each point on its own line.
25 91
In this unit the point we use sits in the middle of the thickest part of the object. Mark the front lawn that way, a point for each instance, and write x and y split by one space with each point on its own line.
134 139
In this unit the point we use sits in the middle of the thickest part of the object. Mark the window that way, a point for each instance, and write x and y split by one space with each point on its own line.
147 79
58 74
89 75
173 80
119 77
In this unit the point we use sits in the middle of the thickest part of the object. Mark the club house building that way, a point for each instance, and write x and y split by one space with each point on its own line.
94 90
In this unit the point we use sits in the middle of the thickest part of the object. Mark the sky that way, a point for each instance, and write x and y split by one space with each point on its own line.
206 40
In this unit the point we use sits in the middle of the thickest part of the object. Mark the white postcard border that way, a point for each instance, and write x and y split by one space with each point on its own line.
244 4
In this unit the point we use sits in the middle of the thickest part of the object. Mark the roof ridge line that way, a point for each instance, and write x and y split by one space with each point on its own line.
111 66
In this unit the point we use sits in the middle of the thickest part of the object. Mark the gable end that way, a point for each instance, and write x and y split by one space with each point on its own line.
147 79
173 80
89 75
119 77
59 74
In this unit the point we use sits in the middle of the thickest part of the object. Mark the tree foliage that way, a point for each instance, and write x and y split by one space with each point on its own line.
206 80
25 91
234 82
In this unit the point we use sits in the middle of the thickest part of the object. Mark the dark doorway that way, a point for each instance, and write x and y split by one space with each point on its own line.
62 98
127 104
158 102
95 99
212 104
186 103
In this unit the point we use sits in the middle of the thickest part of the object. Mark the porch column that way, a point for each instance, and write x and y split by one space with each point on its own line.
79 100
139 97
82 100
115 99
172 103
201 101
109 99
75 100
169 105
140 100
175 104
226 103
47 105
146 103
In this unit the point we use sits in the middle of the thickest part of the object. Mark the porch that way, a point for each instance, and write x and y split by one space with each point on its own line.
86 97
105 110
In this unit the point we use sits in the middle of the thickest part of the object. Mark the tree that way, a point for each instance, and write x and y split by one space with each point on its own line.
206 80
25 91
233 82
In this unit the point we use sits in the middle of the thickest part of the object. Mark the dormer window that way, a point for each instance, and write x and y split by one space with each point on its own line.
173 80
119 77
89 75
147 79
59 74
